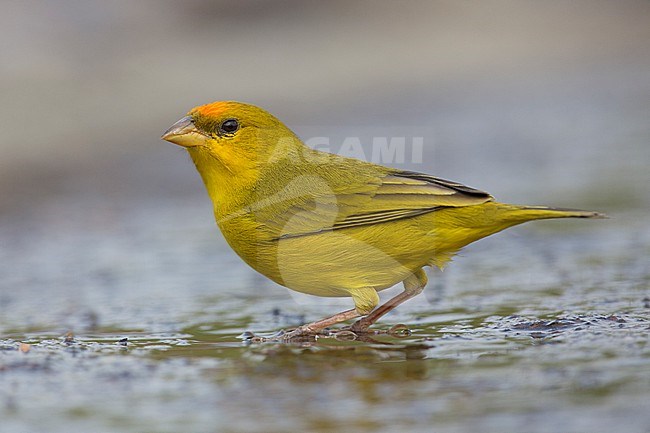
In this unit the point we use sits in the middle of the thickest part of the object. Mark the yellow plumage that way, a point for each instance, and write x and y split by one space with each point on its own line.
327 225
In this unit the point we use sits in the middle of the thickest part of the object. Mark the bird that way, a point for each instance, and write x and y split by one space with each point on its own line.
329 225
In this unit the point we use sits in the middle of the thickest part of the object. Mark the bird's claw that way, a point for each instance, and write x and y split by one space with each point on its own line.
306 334
301 333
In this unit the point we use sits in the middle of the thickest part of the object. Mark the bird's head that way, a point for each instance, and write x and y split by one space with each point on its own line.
240 137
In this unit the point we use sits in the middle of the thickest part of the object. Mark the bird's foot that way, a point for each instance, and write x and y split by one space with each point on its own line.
304 332
301 334
282 336
362 328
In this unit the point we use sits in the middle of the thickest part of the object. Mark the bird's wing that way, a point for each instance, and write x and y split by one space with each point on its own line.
382 198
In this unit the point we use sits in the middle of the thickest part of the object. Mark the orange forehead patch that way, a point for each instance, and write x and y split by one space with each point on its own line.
213 109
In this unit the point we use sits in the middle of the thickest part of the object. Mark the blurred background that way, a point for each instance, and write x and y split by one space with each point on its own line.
104 227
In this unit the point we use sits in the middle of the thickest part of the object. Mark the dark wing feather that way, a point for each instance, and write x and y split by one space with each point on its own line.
392 196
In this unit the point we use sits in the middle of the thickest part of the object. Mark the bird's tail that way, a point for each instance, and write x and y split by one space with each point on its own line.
485 219
520 214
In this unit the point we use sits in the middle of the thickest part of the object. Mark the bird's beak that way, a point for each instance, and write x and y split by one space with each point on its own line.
184 133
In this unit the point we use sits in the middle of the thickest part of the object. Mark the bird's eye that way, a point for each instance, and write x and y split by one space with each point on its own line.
229 126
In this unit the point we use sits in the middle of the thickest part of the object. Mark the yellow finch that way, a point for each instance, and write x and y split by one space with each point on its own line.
327 225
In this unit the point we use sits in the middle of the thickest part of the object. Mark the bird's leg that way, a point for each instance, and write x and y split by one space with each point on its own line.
313 327
413 286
